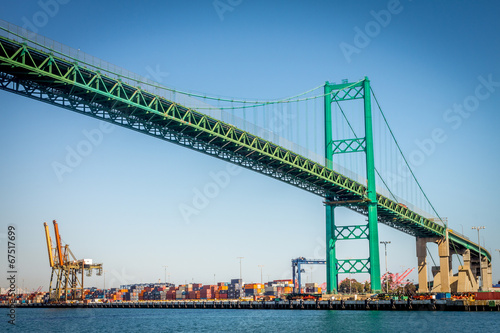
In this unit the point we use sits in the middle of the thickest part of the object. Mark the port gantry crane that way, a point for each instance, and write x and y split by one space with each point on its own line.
296 270
68 272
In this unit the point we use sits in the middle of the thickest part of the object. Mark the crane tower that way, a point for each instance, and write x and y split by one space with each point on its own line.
66 281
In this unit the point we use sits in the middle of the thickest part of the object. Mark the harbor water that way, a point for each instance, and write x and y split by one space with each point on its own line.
238 320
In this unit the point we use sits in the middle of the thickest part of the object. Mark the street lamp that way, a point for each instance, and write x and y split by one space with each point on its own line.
386 271
240 267
261 273
479 244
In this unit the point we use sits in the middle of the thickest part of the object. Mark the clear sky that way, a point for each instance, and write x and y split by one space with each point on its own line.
120 204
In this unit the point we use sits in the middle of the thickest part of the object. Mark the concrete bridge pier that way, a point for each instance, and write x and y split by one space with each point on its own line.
441 273
487 279
467 279
422 265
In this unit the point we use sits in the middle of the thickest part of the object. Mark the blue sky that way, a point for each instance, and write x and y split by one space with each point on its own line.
120 205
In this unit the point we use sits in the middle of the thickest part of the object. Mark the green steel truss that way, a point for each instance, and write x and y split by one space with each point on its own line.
351 232
348 146
57 79
353 266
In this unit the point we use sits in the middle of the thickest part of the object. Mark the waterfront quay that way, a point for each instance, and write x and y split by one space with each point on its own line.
370 305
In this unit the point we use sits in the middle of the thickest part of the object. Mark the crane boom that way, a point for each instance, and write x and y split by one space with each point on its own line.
49 244
58 242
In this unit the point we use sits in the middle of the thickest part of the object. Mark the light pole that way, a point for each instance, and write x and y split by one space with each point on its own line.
386 271
261 273
240 267
104 292
350 285
479 244
165 274
462 228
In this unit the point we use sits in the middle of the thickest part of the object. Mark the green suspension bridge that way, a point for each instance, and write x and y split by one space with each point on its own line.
270 137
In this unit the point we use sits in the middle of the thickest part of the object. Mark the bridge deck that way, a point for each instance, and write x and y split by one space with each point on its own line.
55 78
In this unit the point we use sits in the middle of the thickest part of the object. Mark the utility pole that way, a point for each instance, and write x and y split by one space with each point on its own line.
240 267
479 244
386 271
104 292
261 273
165 274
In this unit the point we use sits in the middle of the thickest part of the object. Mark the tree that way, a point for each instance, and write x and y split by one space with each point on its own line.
350 286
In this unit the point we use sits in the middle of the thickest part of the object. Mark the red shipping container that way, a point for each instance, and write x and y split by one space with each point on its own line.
483 296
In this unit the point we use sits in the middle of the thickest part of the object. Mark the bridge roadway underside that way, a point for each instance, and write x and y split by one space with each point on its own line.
38 74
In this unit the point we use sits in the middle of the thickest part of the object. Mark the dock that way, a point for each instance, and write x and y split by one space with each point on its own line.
380 305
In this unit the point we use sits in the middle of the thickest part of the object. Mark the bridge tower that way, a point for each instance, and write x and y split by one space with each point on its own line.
338 93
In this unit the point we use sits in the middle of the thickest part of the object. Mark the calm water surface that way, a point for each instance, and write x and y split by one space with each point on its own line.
216 320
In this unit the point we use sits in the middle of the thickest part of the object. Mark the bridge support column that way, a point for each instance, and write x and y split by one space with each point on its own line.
422 265
487 280
476 272
331 260
444 262
466 280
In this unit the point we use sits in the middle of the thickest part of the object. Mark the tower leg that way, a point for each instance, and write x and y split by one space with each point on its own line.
331 261
371 193
374 248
